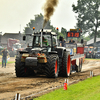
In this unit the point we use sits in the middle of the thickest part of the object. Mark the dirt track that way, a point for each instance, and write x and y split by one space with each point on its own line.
10 84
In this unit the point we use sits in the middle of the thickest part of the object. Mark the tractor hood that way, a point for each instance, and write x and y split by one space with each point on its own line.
37 50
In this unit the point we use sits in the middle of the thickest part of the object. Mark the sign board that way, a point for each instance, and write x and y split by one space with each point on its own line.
71 51
91 47
73 34
73 30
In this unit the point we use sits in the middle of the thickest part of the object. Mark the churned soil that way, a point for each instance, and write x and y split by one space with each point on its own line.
35 86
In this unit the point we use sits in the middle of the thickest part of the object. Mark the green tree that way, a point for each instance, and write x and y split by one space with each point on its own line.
63 31
98 33
87 38
88 18
38 24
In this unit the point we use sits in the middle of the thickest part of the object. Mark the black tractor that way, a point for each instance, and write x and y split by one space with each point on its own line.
43 56
89 53
96 52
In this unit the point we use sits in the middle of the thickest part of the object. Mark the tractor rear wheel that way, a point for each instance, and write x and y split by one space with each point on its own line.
60 67
66 64
81 65
52 66
20 69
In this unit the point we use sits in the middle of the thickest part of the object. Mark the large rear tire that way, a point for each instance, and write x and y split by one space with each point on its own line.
20 69
52 66
78 68
60 67
66 66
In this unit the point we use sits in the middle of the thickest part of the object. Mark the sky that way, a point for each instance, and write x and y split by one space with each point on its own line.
15 14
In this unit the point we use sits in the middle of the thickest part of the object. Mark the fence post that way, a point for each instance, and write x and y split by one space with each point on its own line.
17 97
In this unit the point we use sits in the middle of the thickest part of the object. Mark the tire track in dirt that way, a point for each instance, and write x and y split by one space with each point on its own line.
10 84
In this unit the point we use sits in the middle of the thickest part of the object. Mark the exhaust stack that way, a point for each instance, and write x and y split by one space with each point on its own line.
41 37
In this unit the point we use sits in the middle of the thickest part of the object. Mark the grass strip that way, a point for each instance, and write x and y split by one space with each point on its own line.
88 89
91 59
10 62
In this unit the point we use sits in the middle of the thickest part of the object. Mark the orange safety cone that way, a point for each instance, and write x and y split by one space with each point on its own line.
65 85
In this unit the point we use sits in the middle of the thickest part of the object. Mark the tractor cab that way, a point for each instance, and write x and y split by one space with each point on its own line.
49 39
47 43
16 46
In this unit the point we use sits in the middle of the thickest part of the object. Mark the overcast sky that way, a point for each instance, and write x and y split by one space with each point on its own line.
15 14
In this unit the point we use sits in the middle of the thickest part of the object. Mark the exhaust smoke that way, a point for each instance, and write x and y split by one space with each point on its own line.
49 9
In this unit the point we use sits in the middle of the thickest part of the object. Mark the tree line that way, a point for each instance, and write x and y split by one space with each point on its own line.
88 20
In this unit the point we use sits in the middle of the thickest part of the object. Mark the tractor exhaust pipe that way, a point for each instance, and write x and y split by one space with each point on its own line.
41 37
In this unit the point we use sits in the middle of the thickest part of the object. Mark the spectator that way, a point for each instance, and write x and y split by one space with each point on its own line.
72 41
4 56
63 43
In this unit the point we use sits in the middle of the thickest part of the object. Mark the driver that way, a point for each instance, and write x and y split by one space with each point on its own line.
44 41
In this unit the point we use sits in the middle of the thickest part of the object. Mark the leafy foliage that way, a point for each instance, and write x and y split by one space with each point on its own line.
88 18
63 31
38 24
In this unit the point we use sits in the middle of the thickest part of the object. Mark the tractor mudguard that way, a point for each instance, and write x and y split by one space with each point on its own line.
53 52
21 52
60 51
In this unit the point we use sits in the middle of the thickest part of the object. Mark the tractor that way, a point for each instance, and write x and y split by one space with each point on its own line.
44 57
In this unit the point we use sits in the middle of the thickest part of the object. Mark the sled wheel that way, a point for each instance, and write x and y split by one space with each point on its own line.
78 66
81 65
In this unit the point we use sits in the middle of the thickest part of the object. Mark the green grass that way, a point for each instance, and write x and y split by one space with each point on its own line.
9 62
91 59
88 89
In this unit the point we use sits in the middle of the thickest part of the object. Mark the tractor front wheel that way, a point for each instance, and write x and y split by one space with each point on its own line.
20 69
52 66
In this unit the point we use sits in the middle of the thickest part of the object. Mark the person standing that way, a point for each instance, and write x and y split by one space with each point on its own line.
63 43
72 41
4 56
